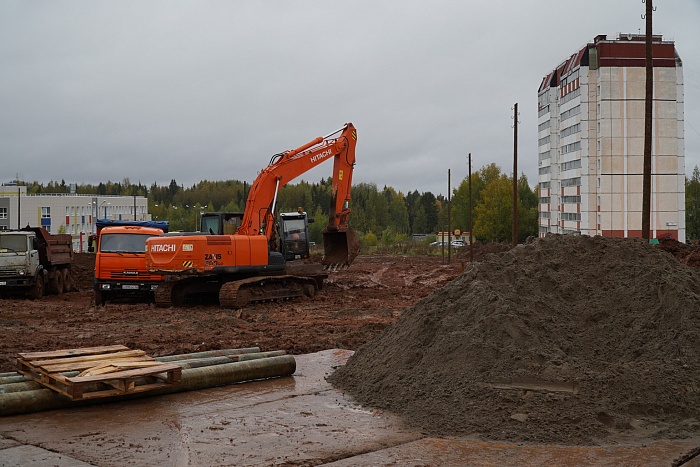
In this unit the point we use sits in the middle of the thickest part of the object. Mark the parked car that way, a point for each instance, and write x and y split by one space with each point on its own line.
458 243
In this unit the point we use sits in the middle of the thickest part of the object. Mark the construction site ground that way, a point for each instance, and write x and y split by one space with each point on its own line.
301 420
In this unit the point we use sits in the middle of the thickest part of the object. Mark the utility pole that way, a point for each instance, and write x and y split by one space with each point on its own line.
646 188
449 220
471 224
515 176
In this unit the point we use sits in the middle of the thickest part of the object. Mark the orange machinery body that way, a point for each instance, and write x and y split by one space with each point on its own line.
227 265
197 254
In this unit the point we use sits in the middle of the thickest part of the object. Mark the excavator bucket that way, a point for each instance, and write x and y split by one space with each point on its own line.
340 247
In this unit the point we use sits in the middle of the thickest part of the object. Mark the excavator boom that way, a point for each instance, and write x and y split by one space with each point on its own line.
340 242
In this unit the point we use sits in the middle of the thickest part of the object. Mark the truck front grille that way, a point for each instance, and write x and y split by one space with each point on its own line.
8 272
141 276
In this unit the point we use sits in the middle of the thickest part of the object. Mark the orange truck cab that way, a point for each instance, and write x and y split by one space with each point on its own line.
120 260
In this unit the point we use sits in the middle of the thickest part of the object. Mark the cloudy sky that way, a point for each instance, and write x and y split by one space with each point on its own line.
157 90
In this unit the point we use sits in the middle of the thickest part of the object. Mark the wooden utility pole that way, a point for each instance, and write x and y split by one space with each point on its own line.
646 188
471 224
515 176
449 220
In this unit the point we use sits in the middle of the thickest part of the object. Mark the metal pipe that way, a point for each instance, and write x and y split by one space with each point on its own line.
15 403
209 353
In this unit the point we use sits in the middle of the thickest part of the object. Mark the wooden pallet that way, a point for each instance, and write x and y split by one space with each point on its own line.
104 371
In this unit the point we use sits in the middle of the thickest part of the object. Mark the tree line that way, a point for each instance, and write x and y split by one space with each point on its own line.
378 214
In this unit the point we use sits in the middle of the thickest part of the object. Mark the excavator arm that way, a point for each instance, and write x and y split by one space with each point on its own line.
341 243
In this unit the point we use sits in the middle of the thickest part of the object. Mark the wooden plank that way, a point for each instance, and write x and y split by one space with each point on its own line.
113 366
71 352
84 365
135 373
89 358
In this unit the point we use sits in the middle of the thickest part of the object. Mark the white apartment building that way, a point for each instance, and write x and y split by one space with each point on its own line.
591 141
67 213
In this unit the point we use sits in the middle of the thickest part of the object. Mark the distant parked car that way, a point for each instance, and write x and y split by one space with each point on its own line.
436 244
458 243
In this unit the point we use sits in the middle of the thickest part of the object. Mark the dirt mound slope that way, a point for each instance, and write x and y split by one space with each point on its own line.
571 340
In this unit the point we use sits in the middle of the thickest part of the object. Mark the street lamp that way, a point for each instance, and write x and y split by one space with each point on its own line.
102 204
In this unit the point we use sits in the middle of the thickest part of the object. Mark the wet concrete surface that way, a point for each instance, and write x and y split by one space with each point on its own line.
298 420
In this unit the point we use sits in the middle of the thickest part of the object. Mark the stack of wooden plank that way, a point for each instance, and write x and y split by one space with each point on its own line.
104 371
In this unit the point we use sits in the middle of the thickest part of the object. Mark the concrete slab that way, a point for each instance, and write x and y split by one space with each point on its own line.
299 420
36 457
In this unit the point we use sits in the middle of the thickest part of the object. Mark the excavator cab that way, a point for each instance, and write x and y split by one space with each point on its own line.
220 223
294 227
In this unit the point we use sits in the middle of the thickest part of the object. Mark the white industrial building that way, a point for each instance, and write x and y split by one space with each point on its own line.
66 213
591 141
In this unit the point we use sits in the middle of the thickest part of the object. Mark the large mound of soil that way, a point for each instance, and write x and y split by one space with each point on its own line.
571 340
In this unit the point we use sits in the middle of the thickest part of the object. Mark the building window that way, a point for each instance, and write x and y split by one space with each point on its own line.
570 113
570 199
576 181
571 216
46 213
3 213
573 129
576 164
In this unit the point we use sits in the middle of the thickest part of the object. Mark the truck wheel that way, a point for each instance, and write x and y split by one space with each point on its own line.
100 298
59 282
37 290
53 285
66 280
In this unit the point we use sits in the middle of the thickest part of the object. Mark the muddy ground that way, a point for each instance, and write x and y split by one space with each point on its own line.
354 306
505 324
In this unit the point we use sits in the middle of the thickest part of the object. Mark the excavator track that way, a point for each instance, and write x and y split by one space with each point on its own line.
162 296
169 294
239 293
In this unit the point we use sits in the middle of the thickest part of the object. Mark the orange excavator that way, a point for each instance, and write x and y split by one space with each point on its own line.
250 265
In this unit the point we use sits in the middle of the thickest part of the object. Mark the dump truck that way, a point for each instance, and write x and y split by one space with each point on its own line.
120 263
34 262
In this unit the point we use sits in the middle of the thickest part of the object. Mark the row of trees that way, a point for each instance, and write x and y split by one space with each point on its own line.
383 214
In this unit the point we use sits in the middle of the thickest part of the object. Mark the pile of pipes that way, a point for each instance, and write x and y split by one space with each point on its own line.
20 394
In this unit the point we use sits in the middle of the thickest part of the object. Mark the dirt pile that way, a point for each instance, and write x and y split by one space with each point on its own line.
571 340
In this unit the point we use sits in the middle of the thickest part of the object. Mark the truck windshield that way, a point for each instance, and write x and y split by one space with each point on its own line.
294 229
123 243
13 242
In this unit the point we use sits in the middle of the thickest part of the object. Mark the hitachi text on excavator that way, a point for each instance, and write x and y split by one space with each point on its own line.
254 262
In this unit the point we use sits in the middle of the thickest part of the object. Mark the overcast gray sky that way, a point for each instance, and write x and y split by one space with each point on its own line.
151 91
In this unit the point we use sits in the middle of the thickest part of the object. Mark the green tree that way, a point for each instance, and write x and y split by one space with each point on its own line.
692 205
527 210
494 213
